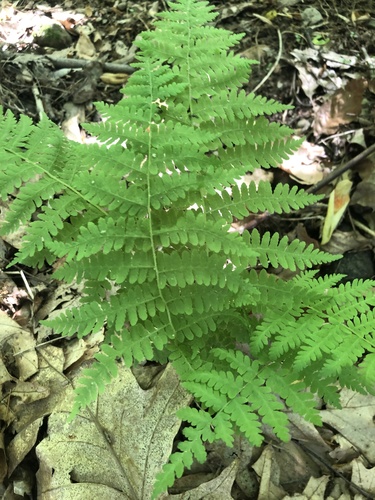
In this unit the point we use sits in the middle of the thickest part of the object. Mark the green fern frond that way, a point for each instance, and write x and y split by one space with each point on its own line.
291 333
275 251
81 321
253 199
105 235
322 342
367 371
293 391
352 379
321 285
189 449
252 156
233 105
94 380
254 390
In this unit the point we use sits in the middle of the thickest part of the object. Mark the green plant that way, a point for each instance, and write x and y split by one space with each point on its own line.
142 219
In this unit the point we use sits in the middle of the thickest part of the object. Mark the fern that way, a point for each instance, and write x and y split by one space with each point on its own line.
141 219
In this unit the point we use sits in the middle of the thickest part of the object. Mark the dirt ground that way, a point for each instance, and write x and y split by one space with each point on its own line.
316 55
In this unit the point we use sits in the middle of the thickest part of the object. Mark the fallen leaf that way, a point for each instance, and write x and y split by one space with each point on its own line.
8 327
355 421
114 78
363 477
338 201
316 488
218 488
364 193
3 460
5 376
305 165
346 241
268 471
343 107
119 452
74 115
22 443
85 49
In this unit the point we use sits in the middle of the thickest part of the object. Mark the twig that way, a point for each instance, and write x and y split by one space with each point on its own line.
340 170
364 228
274 64
363 492
27 286
10 57
38 103
81 63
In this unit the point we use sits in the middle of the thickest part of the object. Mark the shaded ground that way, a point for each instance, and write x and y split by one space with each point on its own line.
315 55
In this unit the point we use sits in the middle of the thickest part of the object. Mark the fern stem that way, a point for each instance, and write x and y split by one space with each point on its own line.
149 211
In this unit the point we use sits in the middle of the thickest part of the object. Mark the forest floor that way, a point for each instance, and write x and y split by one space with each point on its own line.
318 56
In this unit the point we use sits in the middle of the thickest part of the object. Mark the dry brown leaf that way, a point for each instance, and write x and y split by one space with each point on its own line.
343 107
25 355
3 460
74 115
27 392
256 52
344 452
78 351
5 376
364 194
8 327
346 241
316 488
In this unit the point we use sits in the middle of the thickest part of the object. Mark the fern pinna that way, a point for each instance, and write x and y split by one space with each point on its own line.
142 219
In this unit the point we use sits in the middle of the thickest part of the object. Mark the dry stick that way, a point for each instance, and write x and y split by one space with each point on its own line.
334 471
340 170
9 57
333 175
274 64
81 63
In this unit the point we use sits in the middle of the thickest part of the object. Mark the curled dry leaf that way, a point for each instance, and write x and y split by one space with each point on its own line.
114 78
338 201
22 443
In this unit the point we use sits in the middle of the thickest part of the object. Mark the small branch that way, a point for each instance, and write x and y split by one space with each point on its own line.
340 170
81 63
10 57
274 64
